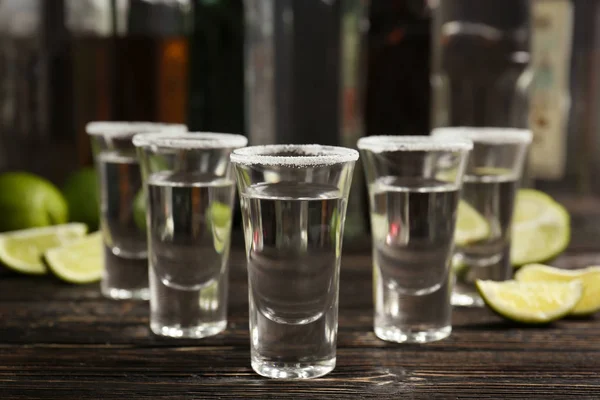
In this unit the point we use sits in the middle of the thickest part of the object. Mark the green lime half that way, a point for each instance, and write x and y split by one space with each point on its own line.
81 192
531 303
471 226
590 277
30 201
79 261
22 250
540 230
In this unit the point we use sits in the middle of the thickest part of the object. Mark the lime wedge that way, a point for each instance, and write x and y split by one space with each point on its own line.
541 228
220 214
493 171
22 250
79 261
471 226
139 210
220 224
590 277
531 303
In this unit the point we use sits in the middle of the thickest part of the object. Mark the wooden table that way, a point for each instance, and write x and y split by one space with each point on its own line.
67 342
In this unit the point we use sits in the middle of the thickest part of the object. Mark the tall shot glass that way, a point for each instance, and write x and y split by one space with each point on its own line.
490 184
414 188
121 218
293 200
190 189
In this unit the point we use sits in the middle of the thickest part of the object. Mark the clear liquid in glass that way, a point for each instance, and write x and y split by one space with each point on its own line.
493 196
413 223
293 233
126 266
189 235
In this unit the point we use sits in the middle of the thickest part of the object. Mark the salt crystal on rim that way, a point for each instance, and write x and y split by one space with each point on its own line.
117 129
293 155
190 140
382 144
488 135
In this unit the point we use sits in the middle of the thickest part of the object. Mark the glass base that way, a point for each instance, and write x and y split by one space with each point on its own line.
281 370
399 335
124 294
194 332
124 278
466 300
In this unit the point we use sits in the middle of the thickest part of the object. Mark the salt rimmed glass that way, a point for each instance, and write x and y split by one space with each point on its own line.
190 190
414 188
121 218
293 200
490 184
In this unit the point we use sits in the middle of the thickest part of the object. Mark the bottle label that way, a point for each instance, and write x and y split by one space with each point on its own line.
551 38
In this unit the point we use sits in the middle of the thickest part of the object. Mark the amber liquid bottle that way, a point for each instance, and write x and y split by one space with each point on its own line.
152 58
130 62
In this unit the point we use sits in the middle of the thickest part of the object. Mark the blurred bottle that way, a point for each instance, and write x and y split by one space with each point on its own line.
562 92
304 66
480 49
34 88
152 58
217 66
216 88
91 28
130 62
398 90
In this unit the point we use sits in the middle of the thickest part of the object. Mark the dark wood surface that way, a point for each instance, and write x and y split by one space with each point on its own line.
67 342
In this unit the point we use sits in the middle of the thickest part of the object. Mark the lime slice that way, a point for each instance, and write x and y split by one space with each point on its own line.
79 261
540 230
590 277
471 226
22 250
531 303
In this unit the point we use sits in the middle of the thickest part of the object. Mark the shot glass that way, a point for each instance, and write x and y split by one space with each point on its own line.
414 189
293 201
490 184
121 206
190 189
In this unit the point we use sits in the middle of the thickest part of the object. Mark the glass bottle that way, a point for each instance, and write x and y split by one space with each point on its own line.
480 49
304 75
34 89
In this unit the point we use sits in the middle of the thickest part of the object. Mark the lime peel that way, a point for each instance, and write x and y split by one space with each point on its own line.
79 261
540 230
471 226
30 201
590 277
22 250
531 303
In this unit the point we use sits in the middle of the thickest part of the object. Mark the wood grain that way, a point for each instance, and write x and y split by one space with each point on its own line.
67 342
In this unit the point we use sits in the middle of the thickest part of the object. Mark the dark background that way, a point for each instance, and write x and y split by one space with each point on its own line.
66 81
397 76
